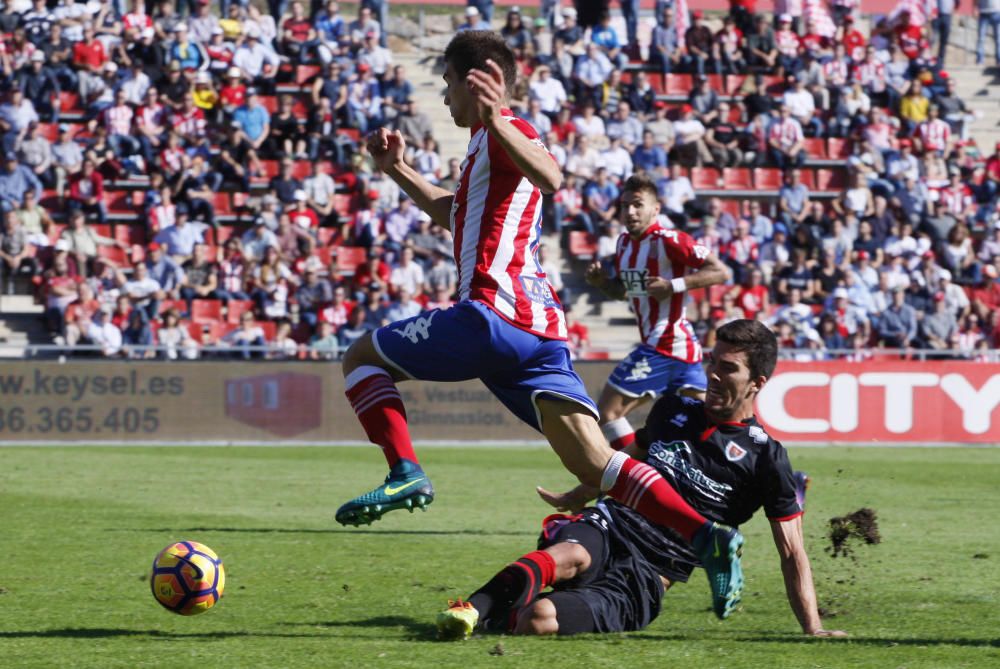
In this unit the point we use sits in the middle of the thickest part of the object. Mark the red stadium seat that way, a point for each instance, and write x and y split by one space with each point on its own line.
582 245
270 168
679 84
221 204
830 180
838 148
116 255
716 293
270 329
705 178
731 206
325 236
657 83
304 74
815 147
119 202
301 169
349 257
167 305
736 178
224 232
269 102
352 134
49 131
809 178
236 308
69 102
716 84
205 332
734 83
206 311
766 178
774 85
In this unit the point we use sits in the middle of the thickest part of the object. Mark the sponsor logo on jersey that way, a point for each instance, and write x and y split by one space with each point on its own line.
538 290
757 434
679 419
671 460
701 252
417 329
640 370
634 281
734 452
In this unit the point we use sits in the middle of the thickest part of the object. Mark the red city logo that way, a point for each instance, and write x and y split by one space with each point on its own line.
285 404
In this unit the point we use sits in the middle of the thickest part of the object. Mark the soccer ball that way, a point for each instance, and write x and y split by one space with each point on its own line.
187 578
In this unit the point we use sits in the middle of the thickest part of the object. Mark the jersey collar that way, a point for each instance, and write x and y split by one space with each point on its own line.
504 111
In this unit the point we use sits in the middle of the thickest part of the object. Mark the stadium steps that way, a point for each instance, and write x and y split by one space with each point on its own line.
424 70
20 324
980 89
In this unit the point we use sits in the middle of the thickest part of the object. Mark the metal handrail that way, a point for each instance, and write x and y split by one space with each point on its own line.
801 354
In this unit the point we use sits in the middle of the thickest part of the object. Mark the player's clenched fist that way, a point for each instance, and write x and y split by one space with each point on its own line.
595 275
386 148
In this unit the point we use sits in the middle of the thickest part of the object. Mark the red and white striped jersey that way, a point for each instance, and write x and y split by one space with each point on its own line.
118 120
871 74
667 254
934 134
495 221
957 199
786 132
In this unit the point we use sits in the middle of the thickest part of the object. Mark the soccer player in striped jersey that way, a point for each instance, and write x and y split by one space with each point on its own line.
508 328
651 272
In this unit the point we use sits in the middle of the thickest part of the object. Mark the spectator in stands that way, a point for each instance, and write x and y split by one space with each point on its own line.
649 156
102 333
14 249
35 152
201 280
666 52
36 220
897 325
473 20
137 338
253 120
325 345
179 240
175 338
86 192
40 87
165 271
722 137
404 307
15 116
785 140
793 199
988 12
729 48
589 74
698 42
247 340
690 145
144 292
762 52
258 63
548 91
788 45
605 37
376 57
271 283
364 99
676 194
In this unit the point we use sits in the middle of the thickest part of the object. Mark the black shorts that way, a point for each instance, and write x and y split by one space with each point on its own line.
620 592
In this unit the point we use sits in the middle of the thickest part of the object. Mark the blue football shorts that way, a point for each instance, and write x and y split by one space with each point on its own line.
470 341
648 373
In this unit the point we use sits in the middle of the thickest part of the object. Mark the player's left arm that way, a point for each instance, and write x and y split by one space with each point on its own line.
529 155
797 572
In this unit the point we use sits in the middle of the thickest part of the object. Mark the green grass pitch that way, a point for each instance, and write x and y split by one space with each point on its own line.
81 526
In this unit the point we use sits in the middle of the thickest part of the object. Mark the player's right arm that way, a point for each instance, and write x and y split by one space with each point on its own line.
598 278
387 150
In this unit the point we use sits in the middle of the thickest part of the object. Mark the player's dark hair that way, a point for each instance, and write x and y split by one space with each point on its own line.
756 340
640 182
471 49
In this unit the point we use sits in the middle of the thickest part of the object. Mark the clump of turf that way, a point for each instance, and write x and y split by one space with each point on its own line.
861 525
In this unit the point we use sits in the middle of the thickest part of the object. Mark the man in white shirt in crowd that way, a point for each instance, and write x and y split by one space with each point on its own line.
690 139
548 90
102 332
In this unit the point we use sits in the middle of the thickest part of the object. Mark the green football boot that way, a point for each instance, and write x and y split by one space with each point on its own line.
719 548
406 487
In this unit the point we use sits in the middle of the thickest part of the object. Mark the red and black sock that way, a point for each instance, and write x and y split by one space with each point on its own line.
513 588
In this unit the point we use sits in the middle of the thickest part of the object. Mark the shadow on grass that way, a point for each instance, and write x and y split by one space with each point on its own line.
332 530
881 642
416 630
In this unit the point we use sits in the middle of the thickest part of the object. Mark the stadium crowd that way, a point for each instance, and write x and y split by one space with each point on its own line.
184 175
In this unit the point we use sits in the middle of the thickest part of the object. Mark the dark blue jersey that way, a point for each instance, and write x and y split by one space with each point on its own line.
726 472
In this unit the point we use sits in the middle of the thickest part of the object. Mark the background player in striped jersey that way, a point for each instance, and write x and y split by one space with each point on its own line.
508 329
651 265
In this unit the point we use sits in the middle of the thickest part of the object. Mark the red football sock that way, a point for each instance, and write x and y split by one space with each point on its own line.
619 433
638 486
376 400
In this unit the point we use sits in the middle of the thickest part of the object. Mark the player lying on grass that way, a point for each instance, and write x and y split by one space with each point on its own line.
508 328
609 566
651 272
